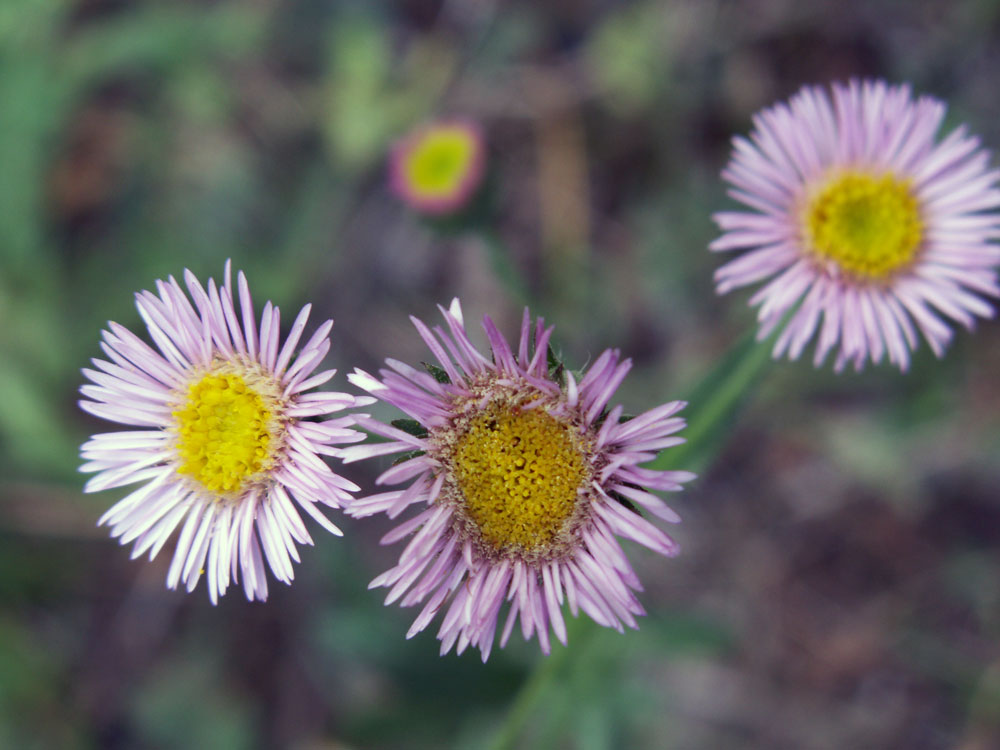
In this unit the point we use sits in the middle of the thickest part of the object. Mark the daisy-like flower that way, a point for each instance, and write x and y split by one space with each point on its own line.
867 228
437 168
527 478
228 443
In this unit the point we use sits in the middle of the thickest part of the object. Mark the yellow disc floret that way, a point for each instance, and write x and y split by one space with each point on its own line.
439 162
224 433
519 473
869 225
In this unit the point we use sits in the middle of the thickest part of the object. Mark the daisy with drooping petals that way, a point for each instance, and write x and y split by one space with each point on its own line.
437 168
867 228
227 447
527 478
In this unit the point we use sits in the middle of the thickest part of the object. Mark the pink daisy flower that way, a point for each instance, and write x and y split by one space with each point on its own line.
228 443
865 227
528 481
437 168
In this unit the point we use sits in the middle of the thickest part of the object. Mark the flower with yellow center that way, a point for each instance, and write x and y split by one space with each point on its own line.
229 450
528 478
438 167
867 229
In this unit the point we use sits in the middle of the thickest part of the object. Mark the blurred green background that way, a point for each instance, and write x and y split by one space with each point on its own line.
838 586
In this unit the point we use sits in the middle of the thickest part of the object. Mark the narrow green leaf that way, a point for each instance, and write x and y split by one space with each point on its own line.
406 457
439 374
410 427
557 369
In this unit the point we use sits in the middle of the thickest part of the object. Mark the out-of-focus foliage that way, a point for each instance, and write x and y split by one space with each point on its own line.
837 586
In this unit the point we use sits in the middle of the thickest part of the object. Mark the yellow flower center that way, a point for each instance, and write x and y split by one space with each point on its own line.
868 225
225 432
438 163
519 473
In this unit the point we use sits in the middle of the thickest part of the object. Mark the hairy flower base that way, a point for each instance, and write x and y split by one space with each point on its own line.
528 480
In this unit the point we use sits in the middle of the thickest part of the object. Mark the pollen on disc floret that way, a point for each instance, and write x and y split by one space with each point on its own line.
866 231
866 226
230 434
517 476
527 478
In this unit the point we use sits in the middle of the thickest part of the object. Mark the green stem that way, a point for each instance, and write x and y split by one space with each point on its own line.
537 685
503 265
714 404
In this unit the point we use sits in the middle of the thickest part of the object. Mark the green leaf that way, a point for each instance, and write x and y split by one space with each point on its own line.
624 501
159 38
410 426
557 370
357 126
406 457
629 55
30 424
439 374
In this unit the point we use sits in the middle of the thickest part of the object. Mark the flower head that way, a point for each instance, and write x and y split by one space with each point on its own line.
228 444
528 479
436 168
867 228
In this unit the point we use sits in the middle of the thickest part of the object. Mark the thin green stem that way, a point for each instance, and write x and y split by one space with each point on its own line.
715 402
503 265
535 687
